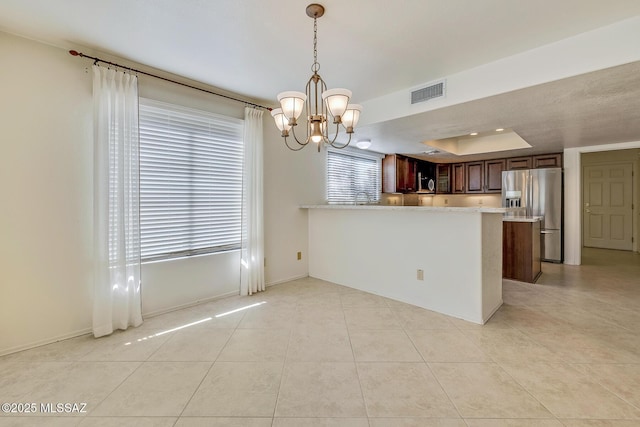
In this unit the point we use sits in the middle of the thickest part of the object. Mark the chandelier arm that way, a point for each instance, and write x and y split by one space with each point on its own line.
330 142
294 149
293 131
343 146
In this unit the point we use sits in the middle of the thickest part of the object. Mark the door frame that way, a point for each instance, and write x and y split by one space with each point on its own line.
573 198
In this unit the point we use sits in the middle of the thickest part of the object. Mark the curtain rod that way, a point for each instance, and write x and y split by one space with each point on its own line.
96 60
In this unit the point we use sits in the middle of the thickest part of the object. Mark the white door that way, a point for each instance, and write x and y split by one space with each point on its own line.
608 209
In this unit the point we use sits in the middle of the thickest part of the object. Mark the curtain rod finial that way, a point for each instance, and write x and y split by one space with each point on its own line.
74 52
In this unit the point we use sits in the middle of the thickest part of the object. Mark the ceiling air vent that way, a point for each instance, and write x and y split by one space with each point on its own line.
435 90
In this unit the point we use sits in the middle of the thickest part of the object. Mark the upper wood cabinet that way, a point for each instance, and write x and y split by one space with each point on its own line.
535 162
474 173
457 178
493 175
484 176
389 174
398 174
443 178
547 161
515 163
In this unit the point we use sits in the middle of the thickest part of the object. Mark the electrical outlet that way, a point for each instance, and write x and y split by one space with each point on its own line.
299 256
446 201
420 274
479 201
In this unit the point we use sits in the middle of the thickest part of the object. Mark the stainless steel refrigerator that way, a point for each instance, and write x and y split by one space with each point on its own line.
540 192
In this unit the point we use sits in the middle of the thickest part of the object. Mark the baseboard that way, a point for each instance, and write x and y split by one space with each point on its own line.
5 351
189 304
493 311
277 282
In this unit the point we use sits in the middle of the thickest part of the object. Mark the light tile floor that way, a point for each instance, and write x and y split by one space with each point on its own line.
563 352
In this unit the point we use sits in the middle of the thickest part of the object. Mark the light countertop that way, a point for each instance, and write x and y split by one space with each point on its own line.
522 218
413 208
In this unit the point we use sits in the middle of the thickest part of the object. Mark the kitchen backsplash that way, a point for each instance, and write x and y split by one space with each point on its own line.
453 200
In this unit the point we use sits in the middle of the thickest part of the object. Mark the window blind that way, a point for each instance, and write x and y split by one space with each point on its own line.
190 181
350 175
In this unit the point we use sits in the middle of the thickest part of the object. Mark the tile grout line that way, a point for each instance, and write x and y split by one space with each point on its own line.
526 390
282 371
599 382
209 370
430 370
355 364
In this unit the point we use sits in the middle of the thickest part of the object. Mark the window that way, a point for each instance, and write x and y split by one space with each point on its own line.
351 174
190 181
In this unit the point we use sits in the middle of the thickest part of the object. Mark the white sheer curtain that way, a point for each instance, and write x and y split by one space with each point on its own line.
116 202
252 254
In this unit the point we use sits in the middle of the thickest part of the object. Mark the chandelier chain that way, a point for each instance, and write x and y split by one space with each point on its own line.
316 66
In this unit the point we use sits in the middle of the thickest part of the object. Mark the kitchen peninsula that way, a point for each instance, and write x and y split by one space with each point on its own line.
385 250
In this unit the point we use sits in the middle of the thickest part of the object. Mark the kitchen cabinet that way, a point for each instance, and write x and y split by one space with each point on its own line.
443 178
493 175
484 176
457 178
426 174
553 160
410 174
516 163
547 161
474 174
398 174
521 250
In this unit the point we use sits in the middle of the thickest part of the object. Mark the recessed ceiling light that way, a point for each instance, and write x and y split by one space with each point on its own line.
499 130
473 133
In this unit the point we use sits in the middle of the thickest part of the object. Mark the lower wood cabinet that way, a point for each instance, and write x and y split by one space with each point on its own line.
521 251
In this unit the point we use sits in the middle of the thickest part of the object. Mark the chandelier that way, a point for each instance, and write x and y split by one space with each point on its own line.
318 102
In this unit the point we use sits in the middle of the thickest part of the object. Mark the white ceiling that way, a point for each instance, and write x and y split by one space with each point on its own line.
373 47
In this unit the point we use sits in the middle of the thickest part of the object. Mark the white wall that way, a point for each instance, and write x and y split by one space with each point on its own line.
291 179
380 249
46 186
182 282
573 197
46 181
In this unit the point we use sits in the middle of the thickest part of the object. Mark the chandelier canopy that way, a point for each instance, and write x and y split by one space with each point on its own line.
319 102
